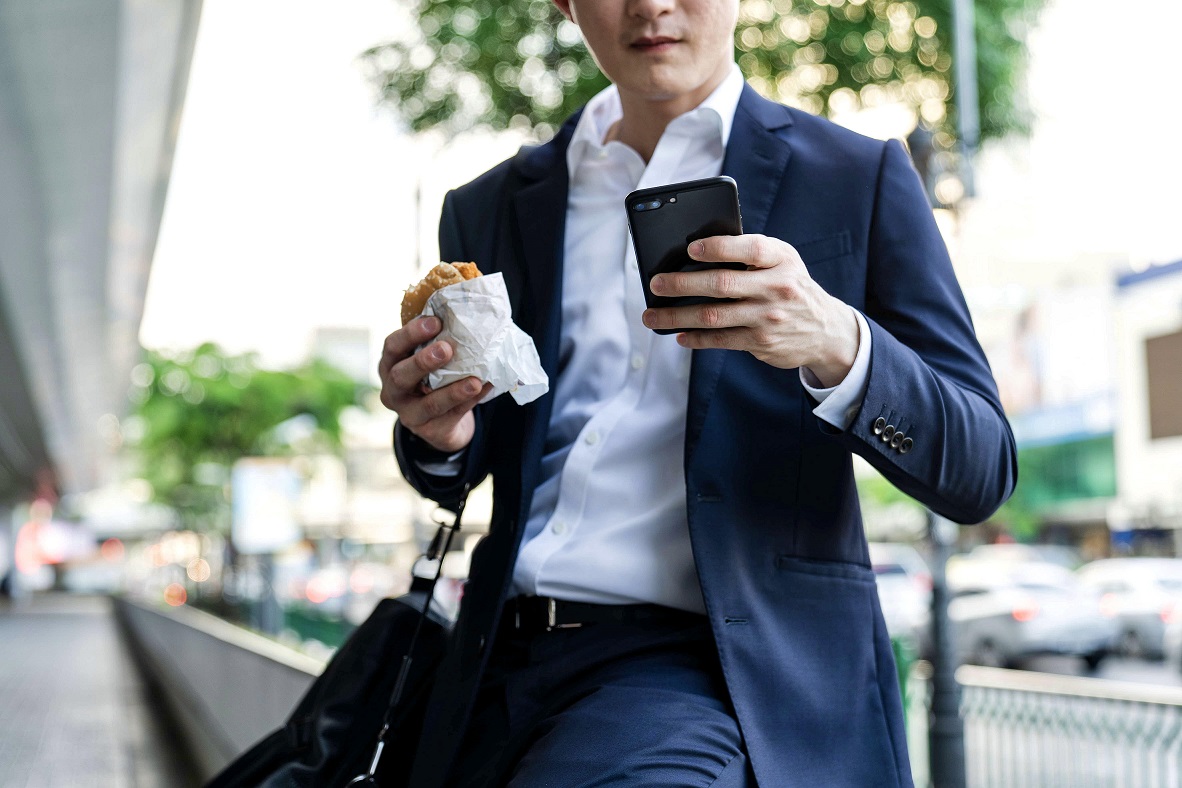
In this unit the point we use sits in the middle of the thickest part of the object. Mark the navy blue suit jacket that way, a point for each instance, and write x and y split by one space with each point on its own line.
773 512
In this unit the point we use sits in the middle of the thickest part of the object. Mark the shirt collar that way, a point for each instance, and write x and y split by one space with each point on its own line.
605 109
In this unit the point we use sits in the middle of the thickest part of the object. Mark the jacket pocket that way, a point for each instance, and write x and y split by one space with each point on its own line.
813 566
812 705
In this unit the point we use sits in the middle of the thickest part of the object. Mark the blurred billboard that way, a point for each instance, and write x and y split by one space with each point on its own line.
264 494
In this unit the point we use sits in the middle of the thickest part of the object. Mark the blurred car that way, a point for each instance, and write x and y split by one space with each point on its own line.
1142 595
905 592
1014 552
1172 641
1004 612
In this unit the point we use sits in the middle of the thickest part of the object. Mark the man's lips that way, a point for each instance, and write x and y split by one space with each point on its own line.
654 43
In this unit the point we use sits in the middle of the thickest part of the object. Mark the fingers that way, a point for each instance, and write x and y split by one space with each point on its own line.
452 430
441 417
405 376
715 282
403 342
757 251
772 264
441 409
707 316
740 338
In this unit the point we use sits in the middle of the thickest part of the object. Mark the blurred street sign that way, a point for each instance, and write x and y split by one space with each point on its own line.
264 493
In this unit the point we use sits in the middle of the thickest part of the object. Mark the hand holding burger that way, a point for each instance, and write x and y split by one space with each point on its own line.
443 417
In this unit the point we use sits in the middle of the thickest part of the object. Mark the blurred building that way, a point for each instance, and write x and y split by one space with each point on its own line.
1090 375
91 93
1055 373
1148 334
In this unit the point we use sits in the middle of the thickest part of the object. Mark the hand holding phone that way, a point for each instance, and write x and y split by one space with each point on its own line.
665 220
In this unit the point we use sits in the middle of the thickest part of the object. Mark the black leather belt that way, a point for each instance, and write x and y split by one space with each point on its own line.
533 614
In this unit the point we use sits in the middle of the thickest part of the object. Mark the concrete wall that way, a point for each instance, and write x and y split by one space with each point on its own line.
226 687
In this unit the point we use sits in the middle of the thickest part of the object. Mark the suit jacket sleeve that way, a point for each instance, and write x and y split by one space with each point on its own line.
409 450
929 378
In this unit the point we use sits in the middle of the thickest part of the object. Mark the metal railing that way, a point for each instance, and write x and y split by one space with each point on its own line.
1021 728
1037 729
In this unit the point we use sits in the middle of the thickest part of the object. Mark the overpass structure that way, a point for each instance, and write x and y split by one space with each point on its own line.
91 93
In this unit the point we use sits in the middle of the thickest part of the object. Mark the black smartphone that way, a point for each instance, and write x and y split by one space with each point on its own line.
664 220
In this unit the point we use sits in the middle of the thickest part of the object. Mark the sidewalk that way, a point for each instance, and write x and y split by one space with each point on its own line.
73 709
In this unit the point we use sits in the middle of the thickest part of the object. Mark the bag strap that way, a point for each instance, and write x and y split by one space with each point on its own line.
443 538
435 552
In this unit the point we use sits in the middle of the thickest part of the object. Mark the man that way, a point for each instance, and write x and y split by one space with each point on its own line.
676 589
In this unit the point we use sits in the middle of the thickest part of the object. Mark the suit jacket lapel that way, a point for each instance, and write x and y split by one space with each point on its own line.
539 224
756 157
540 208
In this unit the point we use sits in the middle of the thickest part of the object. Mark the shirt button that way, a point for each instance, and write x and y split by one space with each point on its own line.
591 439
637 361
559 527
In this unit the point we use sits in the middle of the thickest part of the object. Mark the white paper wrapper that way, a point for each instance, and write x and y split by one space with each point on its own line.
478 322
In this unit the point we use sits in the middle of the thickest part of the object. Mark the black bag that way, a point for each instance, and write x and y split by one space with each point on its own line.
329 737
371 693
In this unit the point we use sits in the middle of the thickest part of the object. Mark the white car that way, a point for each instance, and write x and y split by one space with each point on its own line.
904 592
1003 612
1142 595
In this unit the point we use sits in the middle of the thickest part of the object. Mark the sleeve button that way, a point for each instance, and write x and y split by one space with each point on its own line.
888 433
906 445
897 440
879 423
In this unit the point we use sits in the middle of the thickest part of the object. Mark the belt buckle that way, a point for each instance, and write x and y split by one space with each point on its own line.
552 617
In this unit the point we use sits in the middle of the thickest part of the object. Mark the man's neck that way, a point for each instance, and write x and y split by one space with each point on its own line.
644 120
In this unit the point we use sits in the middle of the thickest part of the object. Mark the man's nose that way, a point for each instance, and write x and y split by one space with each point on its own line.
650 9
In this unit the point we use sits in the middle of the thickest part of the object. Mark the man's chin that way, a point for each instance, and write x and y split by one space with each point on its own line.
660 92
661 82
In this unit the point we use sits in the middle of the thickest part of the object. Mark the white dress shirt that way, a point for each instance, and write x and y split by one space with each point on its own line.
608 519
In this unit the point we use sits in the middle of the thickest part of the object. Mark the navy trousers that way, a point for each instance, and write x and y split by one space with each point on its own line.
614 704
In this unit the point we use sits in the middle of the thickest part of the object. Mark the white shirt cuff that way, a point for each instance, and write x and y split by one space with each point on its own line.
840 403
448 466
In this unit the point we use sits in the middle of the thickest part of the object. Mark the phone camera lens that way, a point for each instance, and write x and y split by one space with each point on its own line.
655 204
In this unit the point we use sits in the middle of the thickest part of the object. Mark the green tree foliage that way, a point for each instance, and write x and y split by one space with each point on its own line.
519 63
198 412
1016 516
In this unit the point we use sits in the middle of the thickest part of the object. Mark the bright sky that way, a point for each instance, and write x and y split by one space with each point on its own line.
292 202
1098 182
